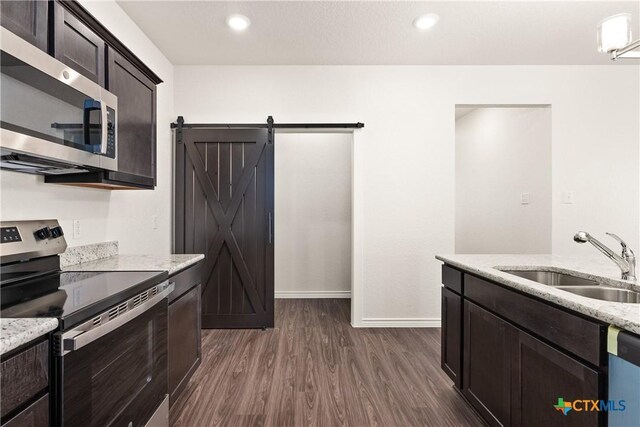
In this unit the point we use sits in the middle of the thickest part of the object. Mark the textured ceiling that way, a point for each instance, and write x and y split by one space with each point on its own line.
379 33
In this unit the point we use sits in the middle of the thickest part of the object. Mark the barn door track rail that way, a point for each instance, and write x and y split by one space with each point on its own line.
179 123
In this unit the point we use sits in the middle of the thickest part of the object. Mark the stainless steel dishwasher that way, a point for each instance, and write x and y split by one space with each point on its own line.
624 377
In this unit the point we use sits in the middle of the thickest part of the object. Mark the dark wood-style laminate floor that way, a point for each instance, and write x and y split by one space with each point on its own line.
314 369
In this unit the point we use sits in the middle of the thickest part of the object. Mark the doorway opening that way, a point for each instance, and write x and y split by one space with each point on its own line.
313 216
503 178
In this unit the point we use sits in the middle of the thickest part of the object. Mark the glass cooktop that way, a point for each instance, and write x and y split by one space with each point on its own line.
73 297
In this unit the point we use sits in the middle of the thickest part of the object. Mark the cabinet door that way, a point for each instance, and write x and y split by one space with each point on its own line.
136 140
28 19
184 340
451 339
541 376
23 376
487 364
34 415
77 46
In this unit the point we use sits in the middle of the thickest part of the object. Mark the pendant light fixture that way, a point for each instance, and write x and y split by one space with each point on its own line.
614 37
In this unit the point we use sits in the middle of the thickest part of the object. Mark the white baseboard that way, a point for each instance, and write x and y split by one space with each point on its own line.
312 294
399 322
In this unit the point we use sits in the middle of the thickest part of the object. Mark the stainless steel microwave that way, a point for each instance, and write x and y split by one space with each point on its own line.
53 120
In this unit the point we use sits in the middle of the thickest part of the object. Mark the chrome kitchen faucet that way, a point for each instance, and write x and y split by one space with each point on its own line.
626 262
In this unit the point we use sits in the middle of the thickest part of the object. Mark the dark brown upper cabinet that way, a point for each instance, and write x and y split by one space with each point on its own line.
80 41
28 19
136 117
76 45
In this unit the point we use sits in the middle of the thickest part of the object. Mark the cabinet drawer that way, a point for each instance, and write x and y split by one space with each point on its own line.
23 376
452 278
580 336
185 281
35 415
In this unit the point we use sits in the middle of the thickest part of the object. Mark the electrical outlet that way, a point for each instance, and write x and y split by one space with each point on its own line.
567 197
524 198
77 229
154 222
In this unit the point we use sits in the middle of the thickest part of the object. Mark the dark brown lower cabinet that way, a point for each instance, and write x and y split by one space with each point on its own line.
487 364
23 376
520 355
184 340
513 379
542 375
34 415
451 339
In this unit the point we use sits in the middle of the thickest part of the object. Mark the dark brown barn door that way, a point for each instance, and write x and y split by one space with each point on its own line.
224 209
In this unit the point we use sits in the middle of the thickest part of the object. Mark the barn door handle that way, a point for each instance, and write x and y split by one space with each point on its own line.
270 228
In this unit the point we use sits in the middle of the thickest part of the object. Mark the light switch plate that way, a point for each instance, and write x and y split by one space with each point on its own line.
154 222
77 229
567 197
524 198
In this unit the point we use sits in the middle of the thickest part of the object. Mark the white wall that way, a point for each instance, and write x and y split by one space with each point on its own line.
502 153
108 215
313 214
405 155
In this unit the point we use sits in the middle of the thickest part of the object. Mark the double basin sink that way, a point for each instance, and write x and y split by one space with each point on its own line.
579 286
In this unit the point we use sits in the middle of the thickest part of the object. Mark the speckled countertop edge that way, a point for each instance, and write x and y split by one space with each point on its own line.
623 315
16 332
172 264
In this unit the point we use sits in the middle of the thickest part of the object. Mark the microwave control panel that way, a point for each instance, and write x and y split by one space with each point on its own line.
111 133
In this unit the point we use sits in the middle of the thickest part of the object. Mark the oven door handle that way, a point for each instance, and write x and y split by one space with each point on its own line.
77 338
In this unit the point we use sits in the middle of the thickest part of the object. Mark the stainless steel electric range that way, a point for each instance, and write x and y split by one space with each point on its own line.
109 354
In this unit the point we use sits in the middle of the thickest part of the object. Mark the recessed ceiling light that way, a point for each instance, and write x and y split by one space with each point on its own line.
425 22
238 22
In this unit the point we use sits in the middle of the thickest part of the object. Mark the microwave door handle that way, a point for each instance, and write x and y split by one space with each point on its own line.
76 339
104 124
89 106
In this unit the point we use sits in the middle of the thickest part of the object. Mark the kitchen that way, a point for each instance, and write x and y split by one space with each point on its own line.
348 307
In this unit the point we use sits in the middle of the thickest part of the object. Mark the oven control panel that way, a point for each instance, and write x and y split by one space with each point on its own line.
9 235
24 240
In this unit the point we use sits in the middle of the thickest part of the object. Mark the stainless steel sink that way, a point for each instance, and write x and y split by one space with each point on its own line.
551 278
579 286
604 293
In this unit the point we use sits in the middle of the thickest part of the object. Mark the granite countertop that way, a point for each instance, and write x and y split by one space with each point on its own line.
16 332
622 315
169 263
